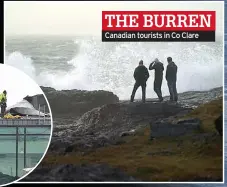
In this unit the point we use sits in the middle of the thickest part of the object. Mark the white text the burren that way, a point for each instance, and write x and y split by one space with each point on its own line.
159 20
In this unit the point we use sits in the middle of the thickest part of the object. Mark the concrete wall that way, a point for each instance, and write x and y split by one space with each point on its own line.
38 100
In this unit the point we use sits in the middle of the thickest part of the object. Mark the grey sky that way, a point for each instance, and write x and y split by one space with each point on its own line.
83 18
17 90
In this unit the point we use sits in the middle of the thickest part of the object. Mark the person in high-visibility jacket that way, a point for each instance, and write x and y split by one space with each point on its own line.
3 101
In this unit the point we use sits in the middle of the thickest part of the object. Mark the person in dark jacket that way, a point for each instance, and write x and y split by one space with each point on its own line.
159 68
171 77
141 75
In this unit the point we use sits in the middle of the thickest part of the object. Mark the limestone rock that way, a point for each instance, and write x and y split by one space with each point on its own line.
76 102
70 172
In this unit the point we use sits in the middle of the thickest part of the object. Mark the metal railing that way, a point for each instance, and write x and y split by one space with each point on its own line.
15 123
25 134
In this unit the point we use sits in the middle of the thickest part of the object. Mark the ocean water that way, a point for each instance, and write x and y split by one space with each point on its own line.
86 63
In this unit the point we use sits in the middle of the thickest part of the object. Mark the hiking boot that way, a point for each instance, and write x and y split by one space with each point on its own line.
161 99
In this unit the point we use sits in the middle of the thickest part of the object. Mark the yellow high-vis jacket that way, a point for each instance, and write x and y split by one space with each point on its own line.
3 98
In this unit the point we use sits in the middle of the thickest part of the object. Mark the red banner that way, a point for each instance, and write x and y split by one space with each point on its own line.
158 20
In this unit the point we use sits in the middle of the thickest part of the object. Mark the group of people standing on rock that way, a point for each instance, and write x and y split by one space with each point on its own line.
141 76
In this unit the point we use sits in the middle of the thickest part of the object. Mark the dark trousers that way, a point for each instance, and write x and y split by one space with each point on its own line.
172 90
157 88
3 110
136 86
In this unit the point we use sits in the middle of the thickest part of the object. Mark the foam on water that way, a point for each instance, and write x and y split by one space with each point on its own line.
21 62
110 66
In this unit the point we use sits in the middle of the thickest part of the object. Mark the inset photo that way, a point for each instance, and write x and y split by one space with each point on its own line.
25 125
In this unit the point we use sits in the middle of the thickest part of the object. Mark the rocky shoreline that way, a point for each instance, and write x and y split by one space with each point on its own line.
74 103
98 119
104 124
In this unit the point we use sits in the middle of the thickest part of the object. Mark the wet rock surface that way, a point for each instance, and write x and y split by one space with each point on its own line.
164 129
103 125
69 172
76 102
193 99
4 179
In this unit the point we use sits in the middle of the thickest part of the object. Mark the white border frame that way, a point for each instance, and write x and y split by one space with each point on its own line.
51 130
219 1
